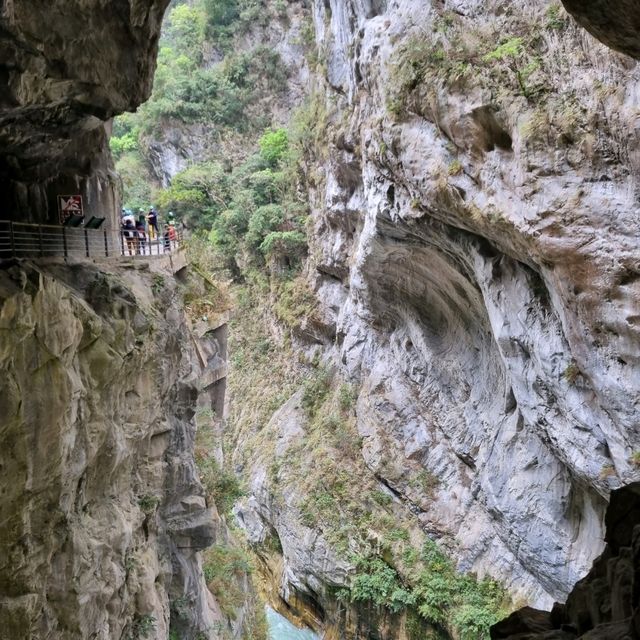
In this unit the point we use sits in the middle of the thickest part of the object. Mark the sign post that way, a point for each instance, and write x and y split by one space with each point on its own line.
69 206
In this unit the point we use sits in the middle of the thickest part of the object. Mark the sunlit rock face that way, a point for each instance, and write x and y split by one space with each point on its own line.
475 244
66 69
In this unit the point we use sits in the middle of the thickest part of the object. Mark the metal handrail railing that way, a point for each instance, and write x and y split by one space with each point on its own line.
27 240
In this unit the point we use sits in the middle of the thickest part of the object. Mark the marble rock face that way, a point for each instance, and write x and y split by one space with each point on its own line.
482 279
102 515
67 68
604 604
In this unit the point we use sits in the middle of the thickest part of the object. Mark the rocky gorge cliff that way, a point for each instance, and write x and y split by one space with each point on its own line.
480 273
103 515
473 253
67 69
428 417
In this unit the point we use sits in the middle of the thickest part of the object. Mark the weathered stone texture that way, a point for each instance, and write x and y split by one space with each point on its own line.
483 283
617 24
604 604
102 515
66 68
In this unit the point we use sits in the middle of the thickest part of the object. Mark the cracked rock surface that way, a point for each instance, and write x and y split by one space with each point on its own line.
67 68
102 515
482 275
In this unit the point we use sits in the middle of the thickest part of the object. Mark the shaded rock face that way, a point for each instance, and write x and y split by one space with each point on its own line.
67 68
616 24
301 569
604 604
482 281
102 516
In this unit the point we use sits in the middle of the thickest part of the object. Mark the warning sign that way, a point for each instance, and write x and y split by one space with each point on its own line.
69 206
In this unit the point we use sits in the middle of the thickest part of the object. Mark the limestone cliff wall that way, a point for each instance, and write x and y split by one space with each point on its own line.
484 283
475 256
604 604
102 515
67 68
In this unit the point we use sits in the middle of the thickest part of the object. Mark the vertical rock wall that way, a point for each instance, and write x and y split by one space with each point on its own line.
483 282
475 249
66 68
102 515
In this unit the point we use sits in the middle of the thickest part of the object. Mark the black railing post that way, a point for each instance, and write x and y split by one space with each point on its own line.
86 242
40 241
122 242
12 238
64 242
106 245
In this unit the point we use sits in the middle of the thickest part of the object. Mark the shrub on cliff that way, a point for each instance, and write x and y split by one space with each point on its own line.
376 582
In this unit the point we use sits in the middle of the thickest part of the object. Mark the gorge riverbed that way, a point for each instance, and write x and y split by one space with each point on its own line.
281 629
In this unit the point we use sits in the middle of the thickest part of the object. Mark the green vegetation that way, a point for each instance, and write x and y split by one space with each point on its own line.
222 487
180 607
252 210
556 17
511 48
148 504
142 627
635 458
204 294
571 372
607 471
528 62
347 395
316 389
377 583
225 568
458 603
455 168
294 302
228 98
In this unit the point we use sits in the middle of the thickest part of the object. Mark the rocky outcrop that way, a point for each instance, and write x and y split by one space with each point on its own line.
301 561
67 68
102 515
310 568
604 604
475 246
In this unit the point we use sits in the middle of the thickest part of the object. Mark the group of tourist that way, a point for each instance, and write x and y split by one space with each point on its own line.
142 233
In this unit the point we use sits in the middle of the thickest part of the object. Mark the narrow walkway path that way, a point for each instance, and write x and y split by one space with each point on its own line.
23 240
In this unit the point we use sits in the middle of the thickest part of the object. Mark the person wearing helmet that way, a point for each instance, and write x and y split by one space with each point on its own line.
152 219
129 233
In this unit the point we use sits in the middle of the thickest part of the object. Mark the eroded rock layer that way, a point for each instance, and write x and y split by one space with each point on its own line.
66 68
102 514
604 604
475 256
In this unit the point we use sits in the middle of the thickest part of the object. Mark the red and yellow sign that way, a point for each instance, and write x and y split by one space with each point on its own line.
69 206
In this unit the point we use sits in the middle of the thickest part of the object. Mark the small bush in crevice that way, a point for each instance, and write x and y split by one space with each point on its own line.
142 627
222 487
225 569
316 389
